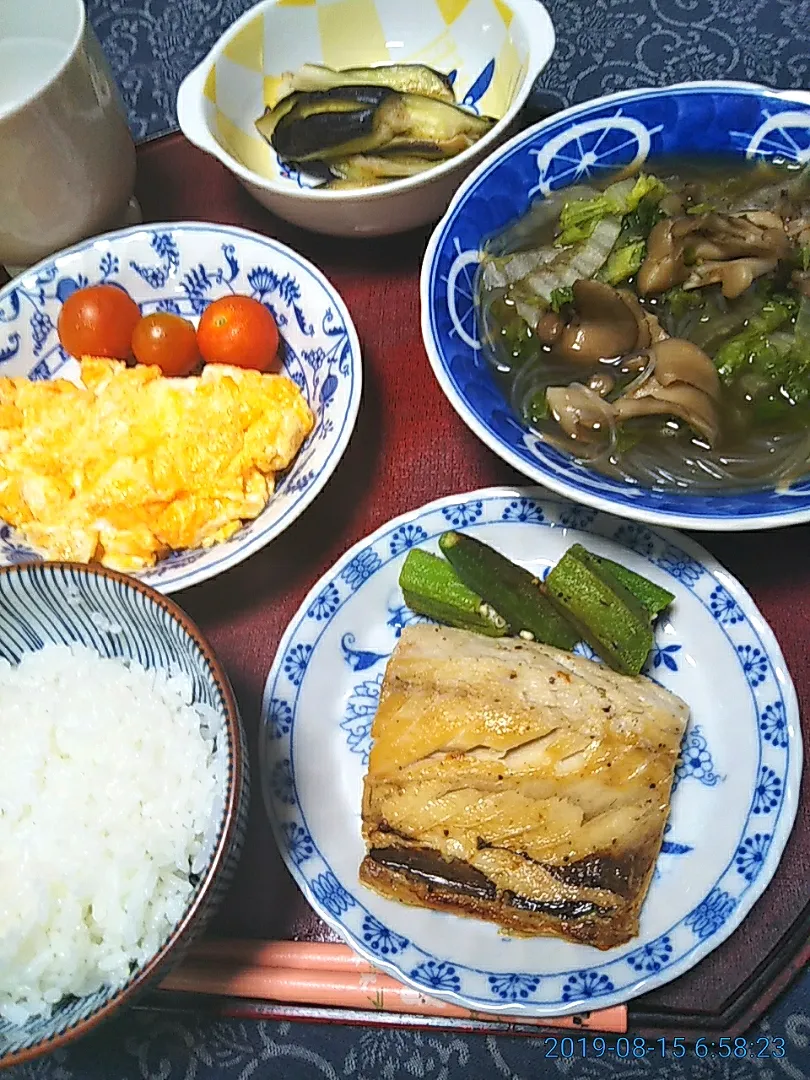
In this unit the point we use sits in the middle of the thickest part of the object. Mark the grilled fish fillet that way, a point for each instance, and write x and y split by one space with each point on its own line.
514 782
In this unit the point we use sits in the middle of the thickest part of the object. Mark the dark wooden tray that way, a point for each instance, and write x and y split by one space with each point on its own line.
410 447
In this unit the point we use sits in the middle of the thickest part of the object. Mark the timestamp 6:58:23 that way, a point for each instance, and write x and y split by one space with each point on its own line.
636 1046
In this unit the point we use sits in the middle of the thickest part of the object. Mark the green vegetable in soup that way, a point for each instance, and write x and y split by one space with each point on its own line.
752 344
797 380
537 407
579 219
645 187
802 326
561 297
638 224
703 316
770 367
623 263
638 206
679 301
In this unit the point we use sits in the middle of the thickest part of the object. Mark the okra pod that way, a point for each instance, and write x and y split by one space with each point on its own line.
431 587
651 596
606 614
513 591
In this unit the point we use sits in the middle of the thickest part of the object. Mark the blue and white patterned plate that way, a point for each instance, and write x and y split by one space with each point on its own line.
181 267
740 768
588 141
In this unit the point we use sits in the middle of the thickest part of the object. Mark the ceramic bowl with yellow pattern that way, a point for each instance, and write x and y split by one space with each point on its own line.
493 50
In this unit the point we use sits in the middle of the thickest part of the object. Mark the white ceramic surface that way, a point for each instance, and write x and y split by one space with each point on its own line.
67 160
737 786
497 48
181 267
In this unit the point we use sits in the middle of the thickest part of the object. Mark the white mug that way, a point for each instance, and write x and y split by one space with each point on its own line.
67 159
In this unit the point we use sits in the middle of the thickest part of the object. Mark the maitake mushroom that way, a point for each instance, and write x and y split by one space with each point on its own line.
801 281
580 411
684 383
799 230
602 326
677 378
729 249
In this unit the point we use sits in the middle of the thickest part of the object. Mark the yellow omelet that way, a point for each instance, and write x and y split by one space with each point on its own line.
130 465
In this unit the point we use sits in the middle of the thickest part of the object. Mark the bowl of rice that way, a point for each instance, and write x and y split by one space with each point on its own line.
123 796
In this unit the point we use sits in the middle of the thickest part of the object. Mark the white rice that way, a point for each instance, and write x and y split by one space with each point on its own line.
111 792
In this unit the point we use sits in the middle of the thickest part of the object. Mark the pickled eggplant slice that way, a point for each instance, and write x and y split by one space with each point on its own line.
407 78
368 169
327 131
315 170
346 99
341 99
438 151
341 184
266 124
425 150
439 122
327 135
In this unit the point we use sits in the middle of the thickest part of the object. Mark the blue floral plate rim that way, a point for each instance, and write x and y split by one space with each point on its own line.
553 469
771 794
184 569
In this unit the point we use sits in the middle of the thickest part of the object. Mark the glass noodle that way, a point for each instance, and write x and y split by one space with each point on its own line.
713 257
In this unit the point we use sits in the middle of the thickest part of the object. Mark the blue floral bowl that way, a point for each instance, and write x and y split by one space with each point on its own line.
182 267
589 140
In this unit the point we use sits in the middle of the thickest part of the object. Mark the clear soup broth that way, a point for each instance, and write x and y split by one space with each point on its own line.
657 325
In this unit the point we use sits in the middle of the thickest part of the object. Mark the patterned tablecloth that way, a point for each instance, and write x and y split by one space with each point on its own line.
603 45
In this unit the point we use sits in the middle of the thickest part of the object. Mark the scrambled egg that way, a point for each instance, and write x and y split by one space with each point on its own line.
131 465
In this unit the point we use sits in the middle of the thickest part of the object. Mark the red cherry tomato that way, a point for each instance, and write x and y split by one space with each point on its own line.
240 331
98 321
168 341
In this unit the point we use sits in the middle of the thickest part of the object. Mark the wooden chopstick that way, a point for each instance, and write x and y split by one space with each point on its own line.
299 955
332 975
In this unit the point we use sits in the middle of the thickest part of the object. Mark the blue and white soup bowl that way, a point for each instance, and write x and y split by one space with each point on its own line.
589 141
181 268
